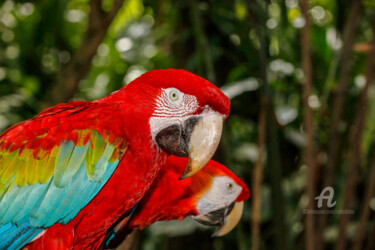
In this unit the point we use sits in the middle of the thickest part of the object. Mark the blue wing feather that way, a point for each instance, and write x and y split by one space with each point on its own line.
14 237
70 199
66 169
35 197
27 210
89 190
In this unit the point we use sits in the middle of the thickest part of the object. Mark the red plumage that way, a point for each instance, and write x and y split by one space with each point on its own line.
167 199
124 114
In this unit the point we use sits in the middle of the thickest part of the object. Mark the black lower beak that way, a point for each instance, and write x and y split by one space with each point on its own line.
175 138
215 218
197 138
226 218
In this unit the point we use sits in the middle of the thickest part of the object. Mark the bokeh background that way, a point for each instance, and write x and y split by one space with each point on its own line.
299 75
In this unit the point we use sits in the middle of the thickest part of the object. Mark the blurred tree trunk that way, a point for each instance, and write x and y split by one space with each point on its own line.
354 155
365 211
338 106
259 11
69 77
258 175
275 171
308 125
371 240
370 188
340 91
201 41
262 134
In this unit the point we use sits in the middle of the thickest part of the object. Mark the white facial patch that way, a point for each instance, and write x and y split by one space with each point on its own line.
222 193
174 103
172 107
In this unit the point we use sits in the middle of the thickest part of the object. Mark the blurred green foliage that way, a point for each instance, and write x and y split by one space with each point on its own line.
218 40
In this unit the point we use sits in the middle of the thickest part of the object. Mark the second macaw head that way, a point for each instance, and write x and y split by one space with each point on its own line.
214 196
182 113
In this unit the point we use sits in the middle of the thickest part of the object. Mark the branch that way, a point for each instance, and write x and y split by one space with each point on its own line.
340 95
262 134
371 240
354 153
347 52
308 124
258 10
69 77
201 41
365 211
257 177
338 106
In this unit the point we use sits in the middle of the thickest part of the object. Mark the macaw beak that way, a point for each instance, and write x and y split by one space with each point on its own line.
197 138
226 218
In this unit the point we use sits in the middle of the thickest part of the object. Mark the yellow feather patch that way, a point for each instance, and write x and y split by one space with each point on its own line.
20 177
30 166
83 137
49 167
30 171
40 164
26 154
10 165
3 162
94 152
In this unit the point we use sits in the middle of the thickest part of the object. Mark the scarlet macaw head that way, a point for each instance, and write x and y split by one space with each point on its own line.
213 196
184 113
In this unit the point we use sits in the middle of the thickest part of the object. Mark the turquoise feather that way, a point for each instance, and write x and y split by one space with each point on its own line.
33 199
66 169
90 190
101 165
26 210
40 214
14 237
7 200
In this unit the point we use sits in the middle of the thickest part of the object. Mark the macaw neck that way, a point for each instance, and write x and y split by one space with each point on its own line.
145 216
167 199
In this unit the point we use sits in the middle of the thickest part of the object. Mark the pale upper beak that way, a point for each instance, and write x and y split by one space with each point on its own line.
197 138
225 218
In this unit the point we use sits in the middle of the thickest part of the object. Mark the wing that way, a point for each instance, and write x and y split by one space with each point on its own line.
54 164
118 231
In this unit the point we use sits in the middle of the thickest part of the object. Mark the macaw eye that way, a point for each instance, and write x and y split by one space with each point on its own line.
173 95
230 186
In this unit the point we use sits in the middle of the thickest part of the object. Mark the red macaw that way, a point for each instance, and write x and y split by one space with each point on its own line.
62 166
213 196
